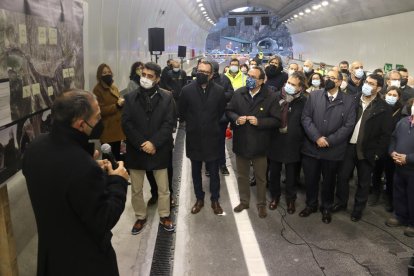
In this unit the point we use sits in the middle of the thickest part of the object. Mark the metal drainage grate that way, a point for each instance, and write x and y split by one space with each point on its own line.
163 258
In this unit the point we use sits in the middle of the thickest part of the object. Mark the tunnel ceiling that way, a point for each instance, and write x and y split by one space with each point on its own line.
335 12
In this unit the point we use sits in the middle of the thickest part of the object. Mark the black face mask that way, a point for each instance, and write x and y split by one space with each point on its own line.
329 84
97 130
345 71
201 78
272 70
404 82
107 79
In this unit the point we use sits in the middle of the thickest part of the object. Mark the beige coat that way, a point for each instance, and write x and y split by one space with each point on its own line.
111 115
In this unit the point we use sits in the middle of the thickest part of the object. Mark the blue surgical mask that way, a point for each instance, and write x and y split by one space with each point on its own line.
290 89
316 83
250 83
391 100
367 90
359 73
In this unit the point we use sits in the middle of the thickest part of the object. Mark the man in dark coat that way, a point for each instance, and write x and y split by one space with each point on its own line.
254 113
328 120
148 121
76 200
276 77
369 141
174 79
224 81
407 92
286 143
201 106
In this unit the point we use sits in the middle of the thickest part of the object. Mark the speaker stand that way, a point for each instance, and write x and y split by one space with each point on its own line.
156 54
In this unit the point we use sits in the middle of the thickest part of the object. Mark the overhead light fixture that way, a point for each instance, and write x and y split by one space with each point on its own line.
291 18
204 12
200 5
206 15
325 3
198 1
295 15
307 10
315 7
202 9
301 13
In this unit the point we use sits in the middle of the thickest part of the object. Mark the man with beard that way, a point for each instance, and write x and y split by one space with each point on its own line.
276 78
344 67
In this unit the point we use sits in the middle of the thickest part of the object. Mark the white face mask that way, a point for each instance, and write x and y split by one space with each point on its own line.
291 71
359 73
344 84
176 69
306 69
234 68
395 83
146 83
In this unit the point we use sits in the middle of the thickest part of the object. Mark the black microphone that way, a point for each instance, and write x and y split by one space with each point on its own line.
107 154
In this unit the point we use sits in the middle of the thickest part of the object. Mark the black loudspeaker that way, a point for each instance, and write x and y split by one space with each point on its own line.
265 20
182 51
156 39
248 21
232 21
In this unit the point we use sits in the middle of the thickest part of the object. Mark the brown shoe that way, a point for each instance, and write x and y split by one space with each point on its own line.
138 226
167 224
393 222
409 231
291 207
262 211
197 206
273 204
240 207
216 208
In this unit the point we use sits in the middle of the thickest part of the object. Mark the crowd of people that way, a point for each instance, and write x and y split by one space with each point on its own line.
323 121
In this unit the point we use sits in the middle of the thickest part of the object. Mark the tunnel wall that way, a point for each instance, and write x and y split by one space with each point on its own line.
118 34
375 42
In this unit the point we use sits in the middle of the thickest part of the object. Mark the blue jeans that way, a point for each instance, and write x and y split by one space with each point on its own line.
213 168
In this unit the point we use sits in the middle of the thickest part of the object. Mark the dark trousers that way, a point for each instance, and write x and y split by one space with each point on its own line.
153 183
313 169
364 171
404 196
116 149
291 175
222 160
386 165
213 168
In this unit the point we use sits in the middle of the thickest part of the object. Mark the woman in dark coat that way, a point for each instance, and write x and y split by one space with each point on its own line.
385 163
287 141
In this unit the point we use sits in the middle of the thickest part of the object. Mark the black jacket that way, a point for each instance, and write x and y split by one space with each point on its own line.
277 82
173 81
202 110
76 204
225 82
251 141
286 147
352 88
335 121
375 130
406 93
141 125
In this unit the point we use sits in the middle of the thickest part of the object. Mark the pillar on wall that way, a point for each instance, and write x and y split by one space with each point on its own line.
8 259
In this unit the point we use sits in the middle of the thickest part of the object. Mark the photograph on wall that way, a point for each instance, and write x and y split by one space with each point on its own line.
41 50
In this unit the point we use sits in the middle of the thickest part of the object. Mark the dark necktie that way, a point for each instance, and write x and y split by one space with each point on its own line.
330 98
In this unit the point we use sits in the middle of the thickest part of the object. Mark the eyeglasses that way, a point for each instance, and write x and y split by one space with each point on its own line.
204 72
253 77
331 78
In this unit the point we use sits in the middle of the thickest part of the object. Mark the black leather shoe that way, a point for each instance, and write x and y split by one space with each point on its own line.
307 211
291 207
338 207
356 216
326 216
